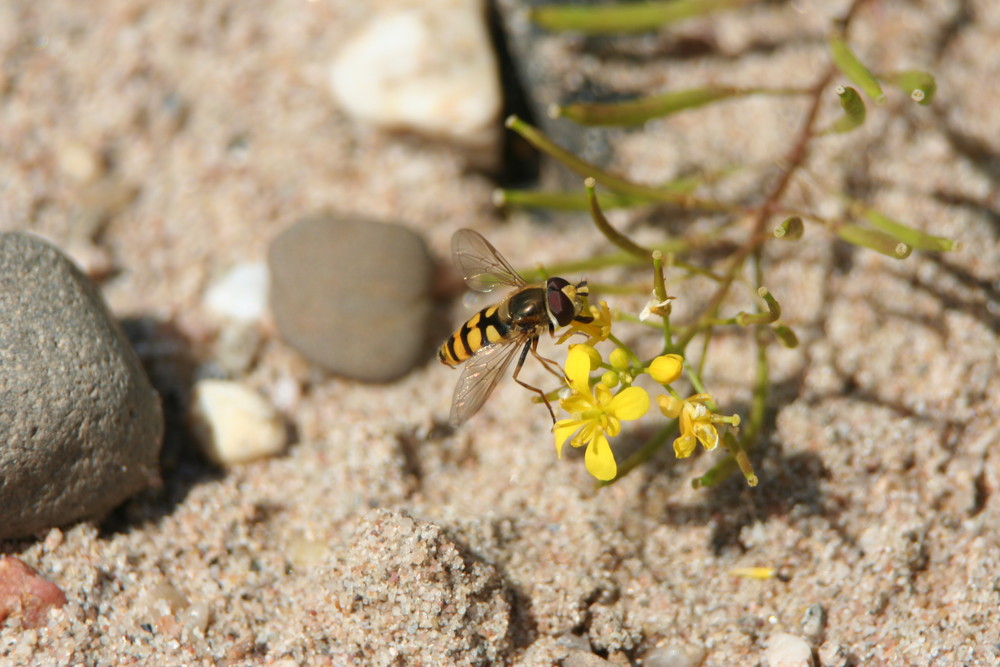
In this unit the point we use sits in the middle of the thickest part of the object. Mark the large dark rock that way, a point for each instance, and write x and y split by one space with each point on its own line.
80 424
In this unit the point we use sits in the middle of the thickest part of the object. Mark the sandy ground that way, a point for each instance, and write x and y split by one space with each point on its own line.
878 498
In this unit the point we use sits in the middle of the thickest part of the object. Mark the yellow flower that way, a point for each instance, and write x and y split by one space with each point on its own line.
696 423
666 368
597 414
596 330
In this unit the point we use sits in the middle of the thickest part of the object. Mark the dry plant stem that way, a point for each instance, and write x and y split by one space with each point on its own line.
793 160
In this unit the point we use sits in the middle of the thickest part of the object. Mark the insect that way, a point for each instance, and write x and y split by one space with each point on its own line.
491 338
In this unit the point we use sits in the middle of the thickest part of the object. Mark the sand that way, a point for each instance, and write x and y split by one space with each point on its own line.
190 134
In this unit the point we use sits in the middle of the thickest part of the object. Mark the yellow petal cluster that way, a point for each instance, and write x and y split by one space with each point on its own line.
696 423
596 414
596 331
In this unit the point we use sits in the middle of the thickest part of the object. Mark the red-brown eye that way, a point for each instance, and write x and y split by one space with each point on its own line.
561 307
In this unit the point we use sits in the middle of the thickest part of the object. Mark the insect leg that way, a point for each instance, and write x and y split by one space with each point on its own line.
548 364
532 345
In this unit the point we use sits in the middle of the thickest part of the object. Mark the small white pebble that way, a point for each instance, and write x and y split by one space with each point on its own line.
168 594
674 656
197 617
240 294
785 650
286 392
236 346
53 540
304 552
95 261
79 162
234 424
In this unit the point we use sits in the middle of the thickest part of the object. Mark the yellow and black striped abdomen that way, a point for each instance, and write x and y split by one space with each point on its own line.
483 328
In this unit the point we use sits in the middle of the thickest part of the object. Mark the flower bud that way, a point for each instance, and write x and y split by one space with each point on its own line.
666 368
595 356
618 359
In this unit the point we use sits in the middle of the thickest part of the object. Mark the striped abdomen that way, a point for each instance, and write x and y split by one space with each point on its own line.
482 329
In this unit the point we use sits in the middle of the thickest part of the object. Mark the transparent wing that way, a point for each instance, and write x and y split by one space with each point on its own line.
483 267
480 376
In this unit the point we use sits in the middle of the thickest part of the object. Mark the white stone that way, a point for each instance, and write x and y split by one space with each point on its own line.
425 67
240 294
785 650
234 424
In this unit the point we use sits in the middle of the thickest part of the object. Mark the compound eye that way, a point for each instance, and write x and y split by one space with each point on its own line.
561 307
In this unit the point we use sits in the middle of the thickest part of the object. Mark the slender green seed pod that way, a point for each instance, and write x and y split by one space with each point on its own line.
851 67
785 336
874 239
854 110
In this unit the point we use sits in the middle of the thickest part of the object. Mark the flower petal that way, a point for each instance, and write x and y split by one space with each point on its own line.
630 403
670 407
706 434
562 430
612 426
591 429
600 460
684 446
688 416
595 356
578 368
602 395
576 404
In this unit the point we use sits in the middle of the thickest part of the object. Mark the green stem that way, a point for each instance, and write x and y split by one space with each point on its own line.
533 136
659 286
660 290
605 227
758 406
631 353
605 261
620 18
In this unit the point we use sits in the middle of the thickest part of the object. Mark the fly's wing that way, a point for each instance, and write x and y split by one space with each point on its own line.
483 267
480 376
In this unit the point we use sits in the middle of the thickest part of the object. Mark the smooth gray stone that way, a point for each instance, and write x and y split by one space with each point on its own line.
353 296
80 423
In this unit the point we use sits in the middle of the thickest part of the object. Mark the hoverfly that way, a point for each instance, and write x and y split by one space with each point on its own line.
491 338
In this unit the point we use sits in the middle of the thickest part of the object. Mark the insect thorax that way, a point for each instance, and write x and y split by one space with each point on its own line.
526 309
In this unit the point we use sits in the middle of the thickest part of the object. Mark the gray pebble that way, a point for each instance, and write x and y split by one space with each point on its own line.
80 424
785 650
353 295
